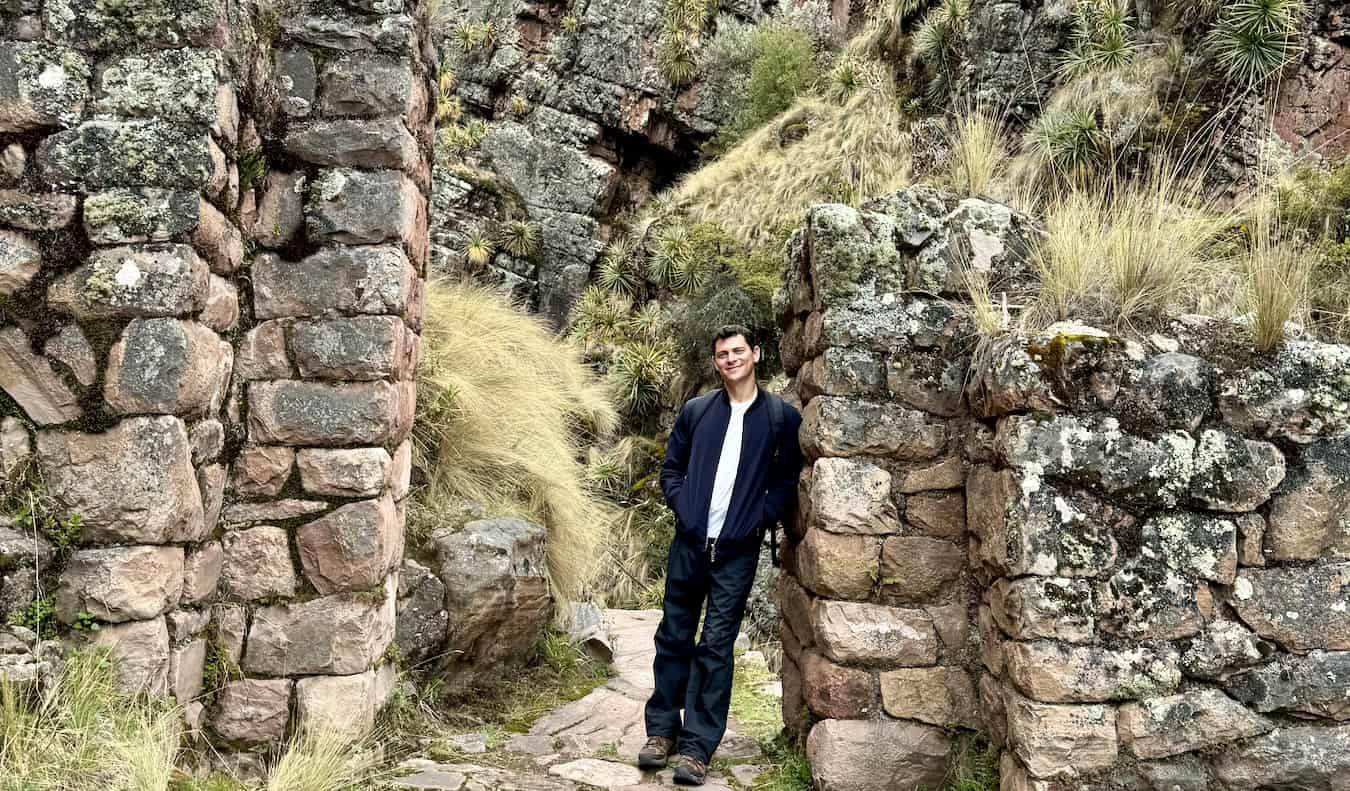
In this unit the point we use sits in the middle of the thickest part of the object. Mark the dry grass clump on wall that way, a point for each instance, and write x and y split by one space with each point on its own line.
503 411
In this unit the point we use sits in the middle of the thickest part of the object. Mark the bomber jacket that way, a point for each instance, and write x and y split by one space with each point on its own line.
766 480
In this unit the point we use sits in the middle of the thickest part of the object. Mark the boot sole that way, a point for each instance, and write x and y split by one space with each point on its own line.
651 762
683 778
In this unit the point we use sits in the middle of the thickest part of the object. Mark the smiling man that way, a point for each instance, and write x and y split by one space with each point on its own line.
730 473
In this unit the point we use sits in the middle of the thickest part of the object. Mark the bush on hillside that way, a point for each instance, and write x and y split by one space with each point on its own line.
783 66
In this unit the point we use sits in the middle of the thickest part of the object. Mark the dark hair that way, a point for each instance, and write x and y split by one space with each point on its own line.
731 331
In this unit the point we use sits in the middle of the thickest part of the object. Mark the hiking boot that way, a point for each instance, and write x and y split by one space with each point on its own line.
689 771
654 753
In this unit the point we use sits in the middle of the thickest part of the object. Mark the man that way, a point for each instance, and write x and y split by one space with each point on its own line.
730 473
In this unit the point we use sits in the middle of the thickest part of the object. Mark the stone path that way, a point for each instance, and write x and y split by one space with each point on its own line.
591 742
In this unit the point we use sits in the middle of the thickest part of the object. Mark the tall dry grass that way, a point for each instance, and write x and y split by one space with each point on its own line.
504 409
978 151
324 760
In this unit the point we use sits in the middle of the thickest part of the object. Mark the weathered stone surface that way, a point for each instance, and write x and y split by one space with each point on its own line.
201 572
185 624
340 634
842 427
843 371
1310 516
1297 393
33 211
595 772
16 447
929 381
344 472
219 241
222 304
141 649
262 470
853 254
168 366
357 348
101 154
297 78
1059 740
835 692
43 86
917 569
1251 535
120 583
383 143
154 24
70 348
133 282
207 438
252 711
31 382
937 515
1224 648
363 207
1200 546
1305 686
211 484
229 627
344 705
1055 608
20 259
281 210
310 413
1299 608
364 279
839 566
876 755
130 484
262 353
1171 391
949 473
852 496
271 511
1299 757
942 696
366 85
1233 474
186 665
1056 673
352 548
870 634
257 564
422 617
1148 601
496 594
1160 727
978 235
175 84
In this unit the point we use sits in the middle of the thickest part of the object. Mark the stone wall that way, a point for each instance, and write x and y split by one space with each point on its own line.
1123 562
212 249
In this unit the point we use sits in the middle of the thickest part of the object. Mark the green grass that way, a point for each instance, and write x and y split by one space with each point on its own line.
760 716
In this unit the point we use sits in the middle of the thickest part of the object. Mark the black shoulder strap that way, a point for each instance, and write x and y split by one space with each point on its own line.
776 420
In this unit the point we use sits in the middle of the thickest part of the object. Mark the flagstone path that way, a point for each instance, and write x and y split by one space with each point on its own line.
591 742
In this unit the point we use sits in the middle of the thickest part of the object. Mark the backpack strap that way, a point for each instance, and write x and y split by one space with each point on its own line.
776 420
698 407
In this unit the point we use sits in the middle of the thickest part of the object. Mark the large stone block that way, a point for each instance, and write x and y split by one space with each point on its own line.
1160 727
352 548
363 207
1310 516
1294 757
36 211
310 413
252 710
1305 686
941 696
1234 474
1298 393
281 210
1203 547
871 634
1061 741
1300 608
175 84
839 566
201 572
876 755
365 279
168 366
262 353
31 382
357 348
346 472
1223 648
120 583
1171 391
929 381
130 484
852 496
141 651
20 260
133 282
359 84
915 569
262 470
937 515
842 371
346 32
1055 608
1056 673
340 635
342 705
836 692
1147 600
257 564
842 427
383 143
101 154
150 24
41 86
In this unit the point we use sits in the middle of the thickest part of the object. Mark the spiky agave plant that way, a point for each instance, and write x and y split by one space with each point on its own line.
691 274
618 270
646 323
1254 39
520 238
844 80
600 317
678 58
672 246
940 42
1070 141
1103 39
478 247
640 374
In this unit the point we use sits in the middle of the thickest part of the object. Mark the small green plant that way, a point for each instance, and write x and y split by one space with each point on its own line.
520 238
458 139
677 49
845 78
1071 143
1103 39
671 251
641 373
601 317
1255 39
478 247
449 110
252 168
570 23
784 68
474 36
618 270
85 621
519 105
39 615
973 765
940 42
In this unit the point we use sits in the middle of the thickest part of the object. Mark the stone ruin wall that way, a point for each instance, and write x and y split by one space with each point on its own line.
1126 564
217 356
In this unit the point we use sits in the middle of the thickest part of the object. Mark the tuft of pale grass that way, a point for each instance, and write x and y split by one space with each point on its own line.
1277 271
504 408
323 760
978 153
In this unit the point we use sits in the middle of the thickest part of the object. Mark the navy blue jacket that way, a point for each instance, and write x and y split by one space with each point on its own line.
766 480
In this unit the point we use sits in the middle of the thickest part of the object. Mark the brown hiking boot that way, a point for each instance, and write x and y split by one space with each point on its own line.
689 771
654 753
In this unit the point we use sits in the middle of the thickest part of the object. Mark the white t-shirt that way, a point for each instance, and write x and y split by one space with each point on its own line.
727 463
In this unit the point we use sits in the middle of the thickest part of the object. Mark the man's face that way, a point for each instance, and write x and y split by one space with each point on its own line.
735 358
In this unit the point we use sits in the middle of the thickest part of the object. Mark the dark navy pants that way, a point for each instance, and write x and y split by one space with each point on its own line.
697 678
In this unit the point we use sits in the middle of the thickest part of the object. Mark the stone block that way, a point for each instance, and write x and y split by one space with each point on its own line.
400 471
1161 727
141 651
342 705
876 755
359 84
364 207
1234 474
839 566
201 572
852 496
357 348
392 33
207 438
31 382
185 624
337 279
1059 740
1224 648
219 241
271 511
1304 686
36 211
1171 391
422 618
120 583
171 85
230 625
20 260
297 79
1057 673
211 483
186 665
915 569
253 710
71 349
101 154
222 305
1251 533
262 470
353 548
141 214
1203 547
843 371
1149 601
1309 756
340 634
929 381
1294 393
1055 608
44 86
941 696
372 144
133 282
1310 516
937 515
1300 608
869 634
130 484
152 24
346 472
16 447
168 366
842 427
310 413
281 210
836 692
257 564
262 353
